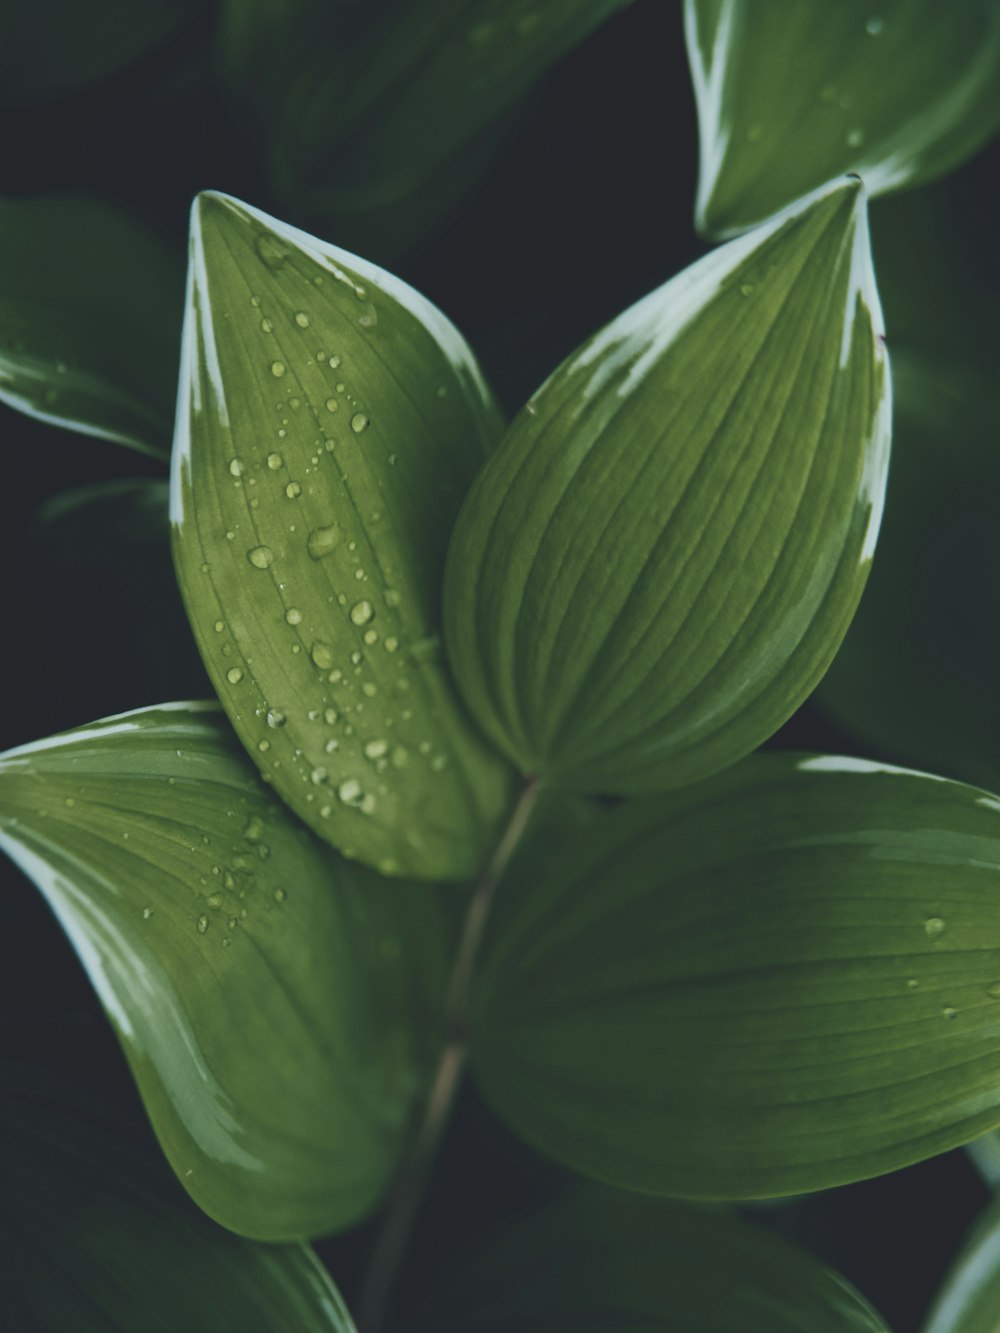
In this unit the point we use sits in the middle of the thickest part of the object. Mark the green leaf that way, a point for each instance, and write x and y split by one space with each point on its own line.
792 94
330 422
970 1295
657 565
601 1259
274 1021
97 1238
378 119
782 980
90 305
52 48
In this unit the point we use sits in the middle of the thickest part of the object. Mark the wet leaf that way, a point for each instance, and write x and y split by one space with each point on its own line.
273 1019
657 565
782 980
603 1259
792 94
330 422
90 305
98 1238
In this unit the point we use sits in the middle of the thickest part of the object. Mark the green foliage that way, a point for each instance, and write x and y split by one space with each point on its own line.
478 789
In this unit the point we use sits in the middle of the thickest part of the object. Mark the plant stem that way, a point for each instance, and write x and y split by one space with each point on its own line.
411 1182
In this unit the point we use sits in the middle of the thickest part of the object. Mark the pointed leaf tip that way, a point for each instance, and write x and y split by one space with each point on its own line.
330 420
658 564
798 93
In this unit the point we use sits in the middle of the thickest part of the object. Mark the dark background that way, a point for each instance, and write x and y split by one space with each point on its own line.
588 206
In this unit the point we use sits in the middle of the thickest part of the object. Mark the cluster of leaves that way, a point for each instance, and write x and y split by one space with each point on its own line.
479 784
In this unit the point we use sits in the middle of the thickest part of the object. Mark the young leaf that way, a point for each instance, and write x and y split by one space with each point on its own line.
90 305
782 980
659 562
970 1295
378 119
330 420
97 1236
792 94
273 1020
603 1259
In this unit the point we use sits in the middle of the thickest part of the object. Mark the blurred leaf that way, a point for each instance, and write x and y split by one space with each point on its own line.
601 1259
330 422
657 565
785 979
793 92
97 1238
90 304
378 118
51 48
914 678
969 1299
274 1022
102 554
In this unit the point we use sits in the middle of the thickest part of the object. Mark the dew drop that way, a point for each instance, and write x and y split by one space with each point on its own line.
322 655
332 405
263 746
148 913
746 289
376 749
854 138
267 326
391 644
934 927
261 557
254 830
280 895
875 26
219 626
359 422
948 1011
371 637
202 924
293 616
330 716
276 718
277 369
236 468
350 791
321 541
302 319
362 612
274 462
293 490
318 775
234 675
912 983
214 901
331 746
334 362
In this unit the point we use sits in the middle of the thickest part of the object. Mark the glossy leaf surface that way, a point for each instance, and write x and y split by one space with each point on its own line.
969 1299
793 92
781 980
377 119
329 424
657 565
602 1259
90 307
915 678
98 1238
273 1001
